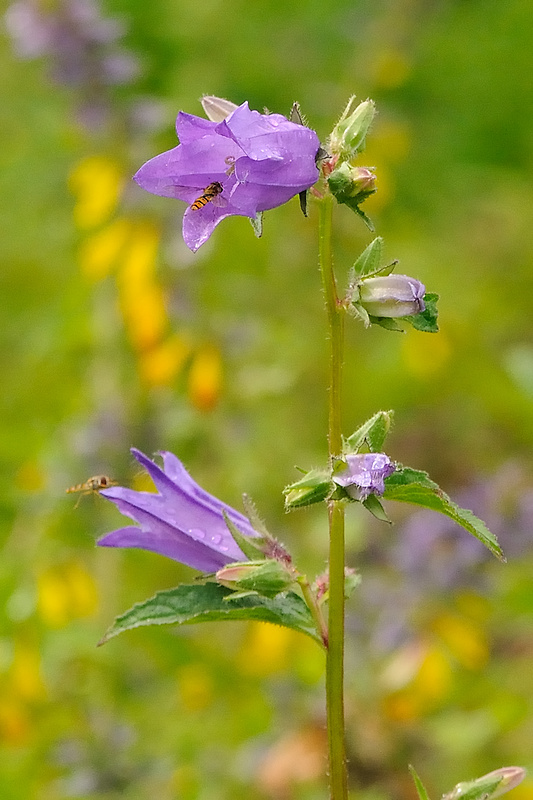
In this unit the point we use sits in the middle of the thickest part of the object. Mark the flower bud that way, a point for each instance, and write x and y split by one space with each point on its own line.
267 578
390 296
351 184
348 135
489 786
216 108
364 474
312 488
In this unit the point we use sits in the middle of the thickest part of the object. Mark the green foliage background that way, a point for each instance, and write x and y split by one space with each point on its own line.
209 712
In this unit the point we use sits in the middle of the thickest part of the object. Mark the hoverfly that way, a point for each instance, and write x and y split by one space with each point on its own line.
91 486
211 193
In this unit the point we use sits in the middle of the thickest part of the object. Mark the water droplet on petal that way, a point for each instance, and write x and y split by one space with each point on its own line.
196 533
216 538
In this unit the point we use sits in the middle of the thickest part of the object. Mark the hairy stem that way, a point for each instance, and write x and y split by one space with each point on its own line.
335 655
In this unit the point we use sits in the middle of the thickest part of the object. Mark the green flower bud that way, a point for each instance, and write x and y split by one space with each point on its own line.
312 488
351 185
348 135
489 786
267 578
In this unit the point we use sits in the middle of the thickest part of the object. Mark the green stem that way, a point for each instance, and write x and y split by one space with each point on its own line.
335 655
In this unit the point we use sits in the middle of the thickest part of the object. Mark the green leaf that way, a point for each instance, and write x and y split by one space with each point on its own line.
420 788
413 486
426 321
191 603
370 259
373 432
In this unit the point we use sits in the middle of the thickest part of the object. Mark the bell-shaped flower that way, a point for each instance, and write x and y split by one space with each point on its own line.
180 521
247 163
364 474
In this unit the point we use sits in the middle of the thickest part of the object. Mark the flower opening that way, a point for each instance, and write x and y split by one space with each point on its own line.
259 160
180 521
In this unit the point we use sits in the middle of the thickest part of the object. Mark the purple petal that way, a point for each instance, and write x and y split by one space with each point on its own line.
189 127
180 521
159 540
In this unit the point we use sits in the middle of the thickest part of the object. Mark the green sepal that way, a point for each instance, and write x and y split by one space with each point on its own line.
356 310
257 224
251 546
314 487
352 580
373 505
426 320
369 260
302 196
420 788
354 205
188 604
267 578
373 432
414 486
366 219
389 323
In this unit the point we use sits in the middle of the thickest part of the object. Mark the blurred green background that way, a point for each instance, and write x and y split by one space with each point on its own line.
114 335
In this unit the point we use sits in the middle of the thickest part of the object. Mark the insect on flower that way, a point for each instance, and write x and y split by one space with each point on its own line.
91 486
211 194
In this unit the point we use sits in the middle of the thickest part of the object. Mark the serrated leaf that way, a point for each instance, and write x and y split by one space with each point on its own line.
369 260
414 486
191 603
420 788
257 224
426 321
373 432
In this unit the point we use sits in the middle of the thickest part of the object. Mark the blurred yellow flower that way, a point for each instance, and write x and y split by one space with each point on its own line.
96 182
25 677
141 298
265 650
466 641
205 378
99 252
66 592
420 676
160 365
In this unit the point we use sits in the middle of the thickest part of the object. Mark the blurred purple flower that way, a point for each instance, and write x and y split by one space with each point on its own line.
259 160
365 474
181 521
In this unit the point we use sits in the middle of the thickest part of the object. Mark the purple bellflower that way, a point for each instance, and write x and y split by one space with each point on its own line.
365 474
247 163
181 521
